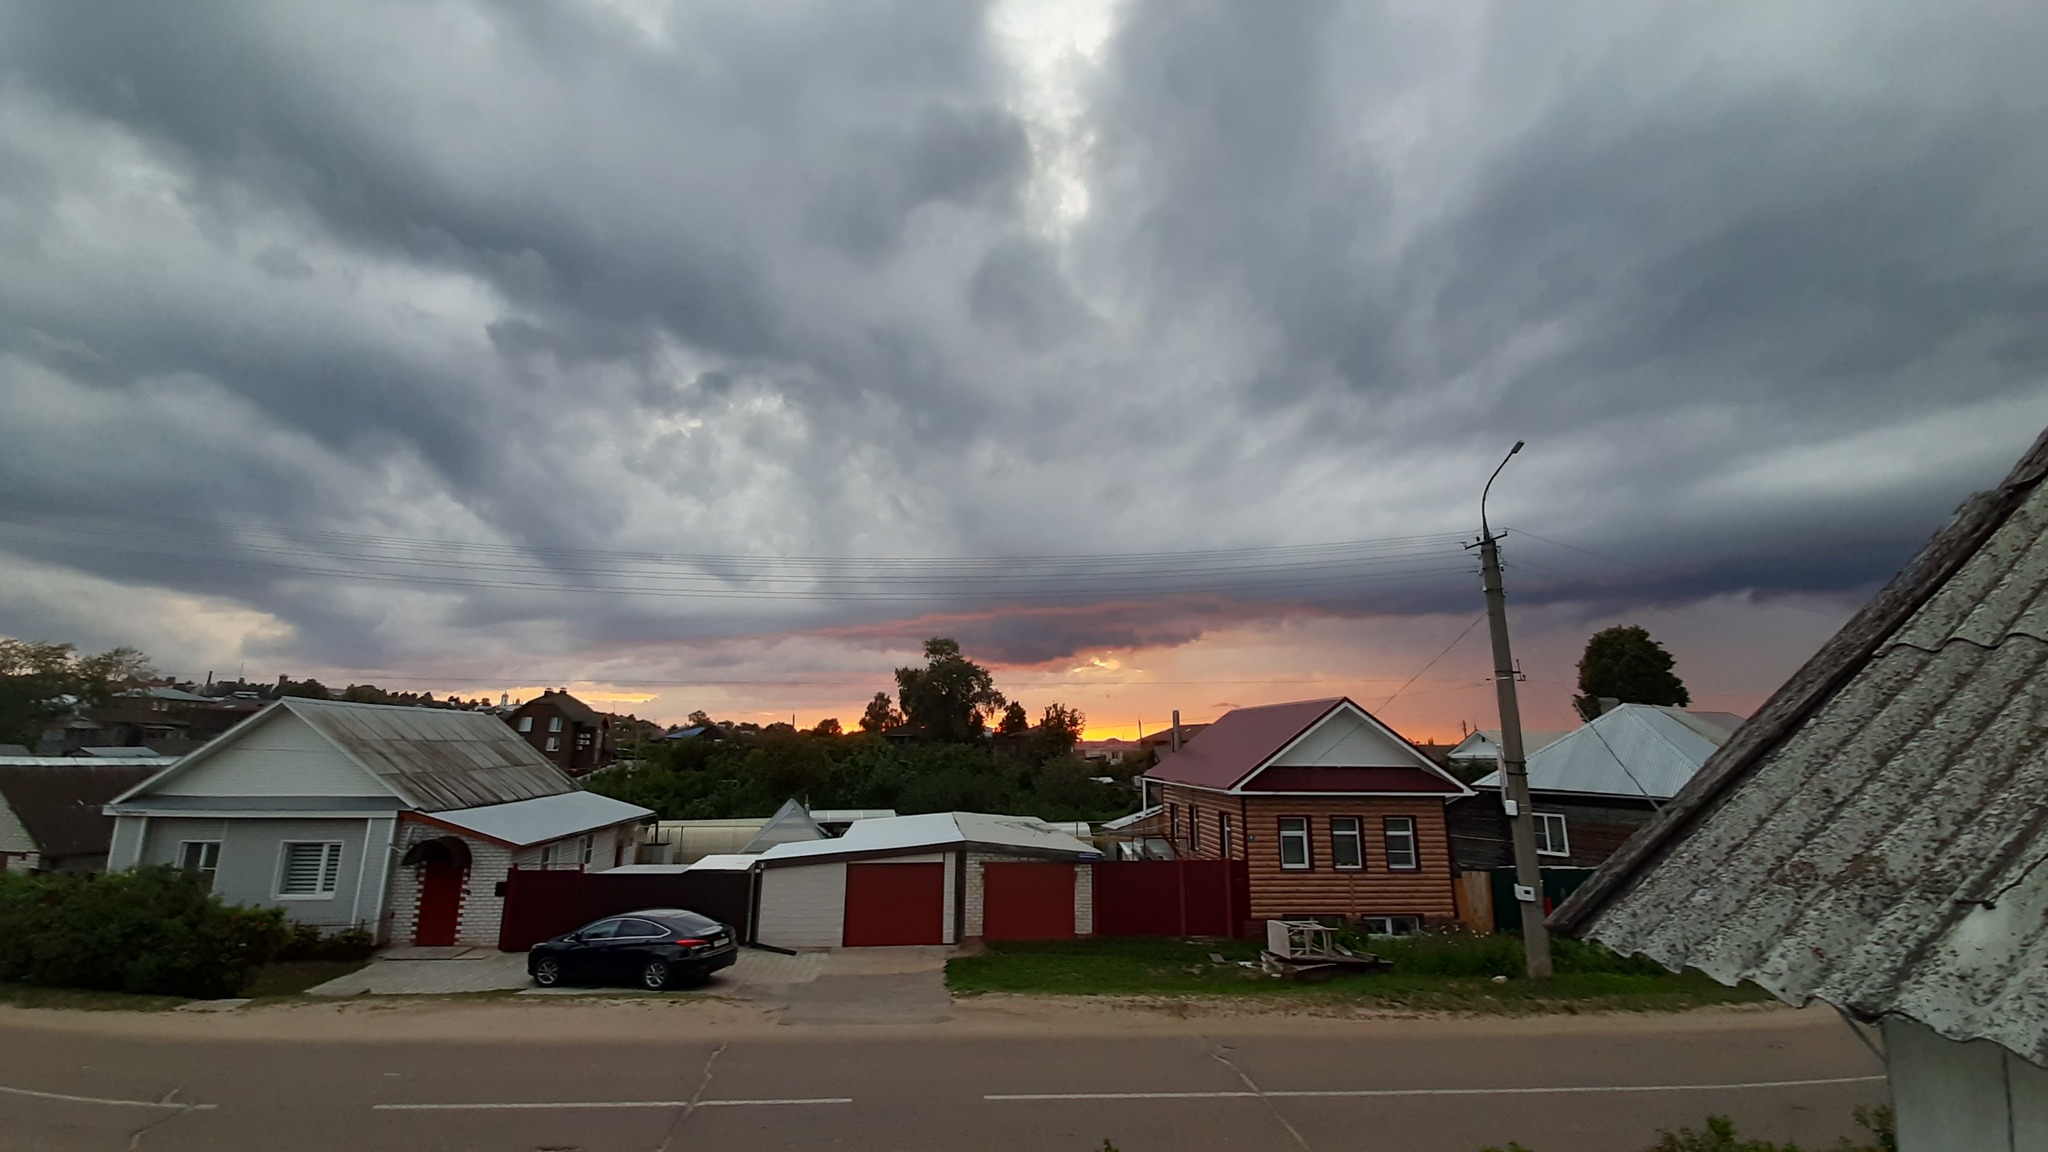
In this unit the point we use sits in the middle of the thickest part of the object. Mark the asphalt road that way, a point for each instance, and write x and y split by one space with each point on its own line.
1411 1086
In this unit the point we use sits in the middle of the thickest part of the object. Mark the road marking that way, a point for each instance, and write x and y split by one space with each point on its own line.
567 1104
1395 1092
103 1100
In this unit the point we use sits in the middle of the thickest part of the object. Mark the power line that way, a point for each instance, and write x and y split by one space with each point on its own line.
1432 661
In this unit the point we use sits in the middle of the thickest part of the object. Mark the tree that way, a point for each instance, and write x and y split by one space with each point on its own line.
950 696
311 689
1015 721
881 715
1623 663
1059 729
701 719
41 681
829 726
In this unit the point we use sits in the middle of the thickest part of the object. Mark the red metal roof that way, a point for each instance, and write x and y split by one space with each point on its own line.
1237 743
1320 779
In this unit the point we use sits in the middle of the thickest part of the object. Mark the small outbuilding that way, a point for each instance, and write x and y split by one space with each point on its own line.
933 879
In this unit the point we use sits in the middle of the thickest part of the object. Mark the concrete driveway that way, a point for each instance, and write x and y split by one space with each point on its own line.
847 986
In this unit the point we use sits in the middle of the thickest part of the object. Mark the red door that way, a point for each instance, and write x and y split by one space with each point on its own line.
1027 901
440 903
895 904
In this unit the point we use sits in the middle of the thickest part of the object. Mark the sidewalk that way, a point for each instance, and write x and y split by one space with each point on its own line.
431 972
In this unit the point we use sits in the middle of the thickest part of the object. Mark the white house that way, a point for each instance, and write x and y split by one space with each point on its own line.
1875 836
403 821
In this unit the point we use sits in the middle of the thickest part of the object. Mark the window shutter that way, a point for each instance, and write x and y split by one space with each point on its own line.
310 869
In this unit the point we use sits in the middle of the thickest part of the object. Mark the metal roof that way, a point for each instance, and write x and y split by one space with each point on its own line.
59 805
434 758
936 830
1484 743
789 825
1141 815
544 819
1636 750
1875 837
1239 742
152 761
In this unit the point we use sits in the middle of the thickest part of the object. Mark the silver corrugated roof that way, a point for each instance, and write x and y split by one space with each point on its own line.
435 758
1636 750
1881 843
544 819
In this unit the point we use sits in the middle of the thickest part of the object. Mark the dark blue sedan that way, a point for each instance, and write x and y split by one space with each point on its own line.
652 948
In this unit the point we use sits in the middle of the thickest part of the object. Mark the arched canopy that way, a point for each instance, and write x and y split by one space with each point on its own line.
452 849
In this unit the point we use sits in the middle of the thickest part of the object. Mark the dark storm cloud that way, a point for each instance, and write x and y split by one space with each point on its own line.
1764 291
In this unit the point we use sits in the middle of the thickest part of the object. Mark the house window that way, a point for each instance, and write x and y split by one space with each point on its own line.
1400 835
1294 842
309 870
201 856
554 743
554 724
547 856
1194 829
1173 822
1390 925
1347 847
526 723
1223 834
588 843
1550 835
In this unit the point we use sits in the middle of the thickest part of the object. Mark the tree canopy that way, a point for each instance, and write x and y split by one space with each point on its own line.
35 678
881 715
1623 663
951 696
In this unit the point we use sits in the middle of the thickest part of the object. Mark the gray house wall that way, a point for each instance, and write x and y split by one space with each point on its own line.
252 855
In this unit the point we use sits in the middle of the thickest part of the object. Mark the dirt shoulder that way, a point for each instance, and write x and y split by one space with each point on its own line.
599 1019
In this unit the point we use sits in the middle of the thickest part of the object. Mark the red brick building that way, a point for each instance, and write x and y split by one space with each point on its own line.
576 737
1332 811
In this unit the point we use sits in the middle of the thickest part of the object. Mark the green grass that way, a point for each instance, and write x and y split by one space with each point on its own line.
292 978
1160 966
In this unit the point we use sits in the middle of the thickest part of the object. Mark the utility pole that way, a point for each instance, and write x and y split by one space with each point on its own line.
1514 766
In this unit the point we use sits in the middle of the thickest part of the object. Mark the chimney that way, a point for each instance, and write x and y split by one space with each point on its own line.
1176 729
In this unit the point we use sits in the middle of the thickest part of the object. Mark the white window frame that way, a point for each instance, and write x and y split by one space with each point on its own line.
210 871
1390 925
1194 829
327 882
554 723
1388 835
589 843
1223 834
526 723
1546 843
554 744
1357 838
1308 852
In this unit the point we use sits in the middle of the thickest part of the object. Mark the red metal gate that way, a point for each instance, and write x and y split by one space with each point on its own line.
1172 898
1027 901
895 904
540 903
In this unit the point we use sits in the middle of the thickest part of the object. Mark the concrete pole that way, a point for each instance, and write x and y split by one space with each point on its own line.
1513 763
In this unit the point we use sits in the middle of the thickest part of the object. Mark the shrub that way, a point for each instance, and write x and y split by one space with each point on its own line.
155 930
1459 953
308 942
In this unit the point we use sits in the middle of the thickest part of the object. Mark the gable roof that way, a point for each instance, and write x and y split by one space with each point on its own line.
1635 751
59 805
790 824
1874 837
1484 743
433 759
1226 753
569 706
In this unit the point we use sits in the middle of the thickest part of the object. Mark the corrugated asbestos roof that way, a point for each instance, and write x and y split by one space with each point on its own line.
544 819
790 824
435 758
1636 750
1876 836
59 805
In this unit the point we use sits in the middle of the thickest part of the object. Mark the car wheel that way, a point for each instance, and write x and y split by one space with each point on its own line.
655 976
548 972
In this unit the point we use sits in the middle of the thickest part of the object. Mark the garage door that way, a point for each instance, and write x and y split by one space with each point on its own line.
1026 901
895 904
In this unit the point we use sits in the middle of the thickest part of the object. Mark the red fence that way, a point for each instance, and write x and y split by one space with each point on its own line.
542 903
1172 898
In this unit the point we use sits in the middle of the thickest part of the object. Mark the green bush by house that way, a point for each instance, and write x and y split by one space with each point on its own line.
155 930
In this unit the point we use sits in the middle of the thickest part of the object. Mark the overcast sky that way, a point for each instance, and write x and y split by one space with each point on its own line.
485 347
